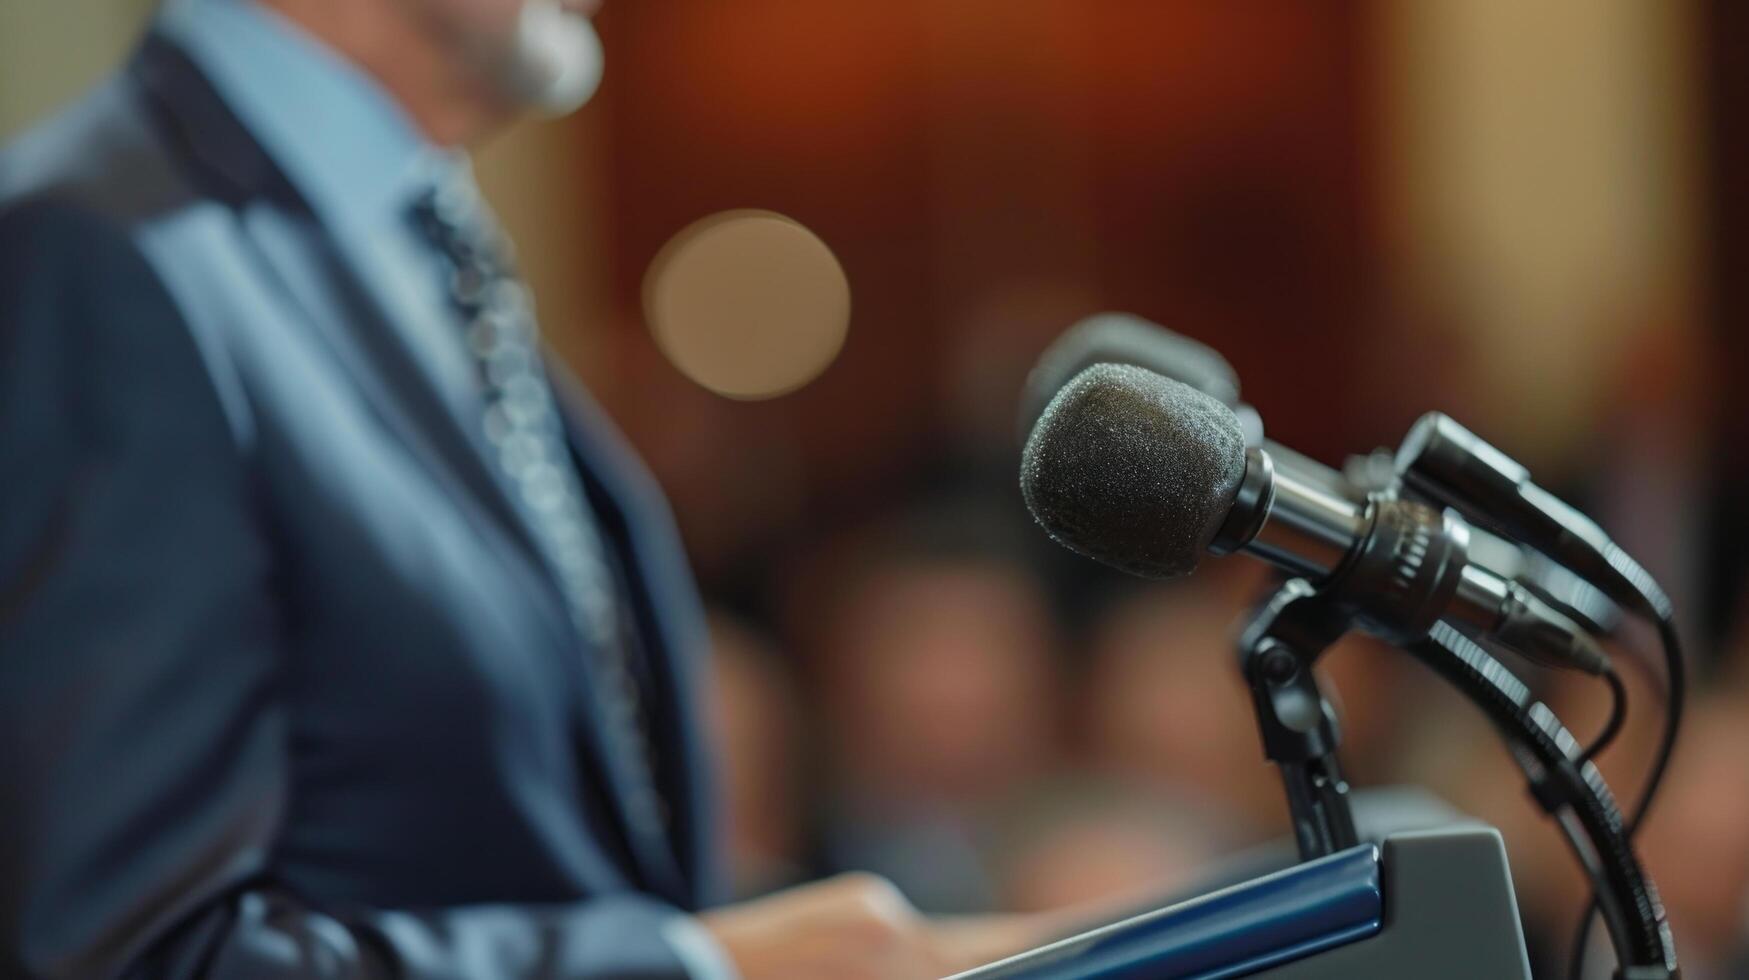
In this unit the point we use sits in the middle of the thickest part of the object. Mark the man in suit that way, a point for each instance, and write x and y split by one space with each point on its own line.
339 637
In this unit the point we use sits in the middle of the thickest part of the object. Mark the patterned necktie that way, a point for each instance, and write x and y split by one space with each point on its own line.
525 433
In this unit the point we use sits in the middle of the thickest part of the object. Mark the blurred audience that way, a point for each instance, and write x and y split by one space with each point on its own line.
938 699
1164 705
991 733
758 733
996 726
1696 843
1099 844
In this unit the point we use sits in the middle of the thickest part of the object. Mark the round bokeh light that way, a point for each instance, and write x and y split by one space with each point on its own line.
748 304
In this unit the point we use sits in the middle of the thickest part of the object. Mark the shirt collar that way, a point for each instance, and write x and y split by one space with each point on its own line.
339 136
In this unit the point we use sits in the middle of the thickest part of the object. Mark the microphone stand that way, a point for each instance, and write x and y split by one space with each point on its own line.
1300 736
1394 586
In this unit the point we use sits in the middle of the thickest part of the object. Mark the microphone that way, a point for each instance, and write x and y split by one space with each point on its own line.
1448 462
1377 471
1122 338
1145 474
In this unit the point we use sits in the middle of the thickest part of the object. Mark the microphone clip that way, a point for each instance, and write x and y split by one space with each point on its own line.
1298 725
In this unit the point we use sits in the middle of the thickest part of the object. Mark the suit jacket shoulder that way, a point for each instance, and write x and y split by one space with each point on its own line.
101 156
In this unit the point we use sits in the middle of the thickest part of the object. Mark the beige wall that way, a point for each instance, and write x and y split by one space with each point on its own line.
51 50
1541 163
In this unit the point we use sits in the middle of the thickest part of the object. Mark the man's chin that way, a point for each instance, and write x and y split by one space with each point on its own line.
557 62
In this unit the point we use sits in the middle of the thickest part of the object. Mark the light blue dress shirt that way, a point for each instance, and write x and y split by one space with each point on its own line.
351 151
361 163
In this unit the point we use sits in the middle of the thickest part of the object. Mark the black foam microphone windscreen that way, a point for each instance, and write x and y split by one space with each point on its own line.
1133 469
1121 338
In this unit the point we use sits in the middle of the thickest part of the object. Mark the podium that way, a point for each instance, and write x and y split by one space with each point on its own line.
1431 904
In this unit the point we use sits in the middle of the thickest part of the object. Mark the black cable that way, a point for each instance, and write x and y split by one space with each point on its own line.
1582 930
1656 606
1583 851
1678 694
1560 783
1618 716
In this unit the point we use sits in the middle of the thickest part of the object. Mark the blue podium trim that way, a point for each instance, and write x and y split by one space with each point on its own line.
1229 933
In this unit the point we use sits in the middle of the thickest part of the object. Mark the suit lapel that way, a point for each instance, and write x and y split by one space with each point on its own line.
669 618
352 323
358 326
310 265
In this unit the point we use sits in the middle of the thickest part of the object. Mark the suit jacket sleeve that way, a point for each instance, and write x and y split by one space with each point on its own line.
143 763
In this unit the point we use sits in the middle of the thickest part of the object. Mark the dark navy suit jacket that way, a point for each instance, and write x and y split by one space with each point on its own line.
286 687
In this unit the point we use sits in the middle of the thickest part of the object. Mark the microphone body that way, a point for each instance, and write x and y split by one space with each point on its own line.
1448 462
1290 518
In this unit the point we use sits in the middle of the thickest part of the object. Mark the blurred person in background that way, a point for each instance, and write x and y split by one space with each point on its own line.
1090 844
1696 843
758 733
938 699
1164 705
336 643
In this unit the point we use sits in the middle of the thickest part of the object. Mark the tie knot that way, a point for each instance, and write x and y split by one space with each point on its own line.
455 218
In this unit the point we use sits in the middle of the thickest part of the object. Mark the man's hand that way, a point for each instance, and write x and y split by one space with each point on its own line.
858 927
